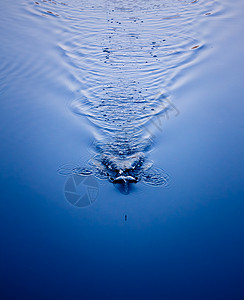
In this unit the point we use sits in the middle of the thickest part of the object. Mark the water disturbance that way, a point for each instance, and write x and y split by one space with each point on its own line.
122 58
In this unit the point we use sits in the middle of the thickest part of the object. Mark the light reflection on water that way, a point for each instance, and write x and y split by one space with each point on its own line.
123 56
180 242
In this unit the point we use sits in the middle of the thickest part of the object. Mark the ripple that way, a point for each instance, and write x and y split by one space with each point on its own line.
125 56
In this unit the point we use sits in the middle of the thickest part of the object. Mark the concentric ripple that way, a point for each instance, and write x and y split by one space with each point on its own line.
124 56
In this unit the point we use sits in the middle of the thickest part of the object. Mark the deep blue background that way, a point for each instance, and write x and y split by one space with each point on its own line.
182 242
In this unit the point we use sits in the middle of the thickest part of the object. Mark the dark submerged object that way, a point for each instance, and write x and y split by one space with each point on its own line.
122 141
122 172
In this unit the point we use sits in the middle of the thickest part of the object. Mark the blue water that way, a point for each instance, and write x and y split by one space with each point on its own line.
183 240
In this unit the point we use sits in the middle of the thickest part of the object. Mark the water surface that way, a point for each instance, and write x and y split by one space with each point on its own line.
113 58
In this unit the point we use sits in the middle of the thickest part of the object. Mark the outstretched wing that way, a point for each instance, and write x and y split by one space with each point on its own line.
155 176
72 169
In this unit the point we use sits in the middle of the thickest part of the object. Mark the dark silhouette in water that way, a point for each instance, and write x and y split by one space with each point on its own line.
123 144
122 172
126 171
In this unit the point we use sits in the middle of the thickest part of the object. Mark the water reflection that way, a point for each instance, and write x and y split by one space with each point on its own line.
124 57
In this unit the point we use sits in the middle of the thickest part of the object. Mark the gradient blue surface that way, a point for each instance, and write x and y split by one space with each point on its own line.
185 241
